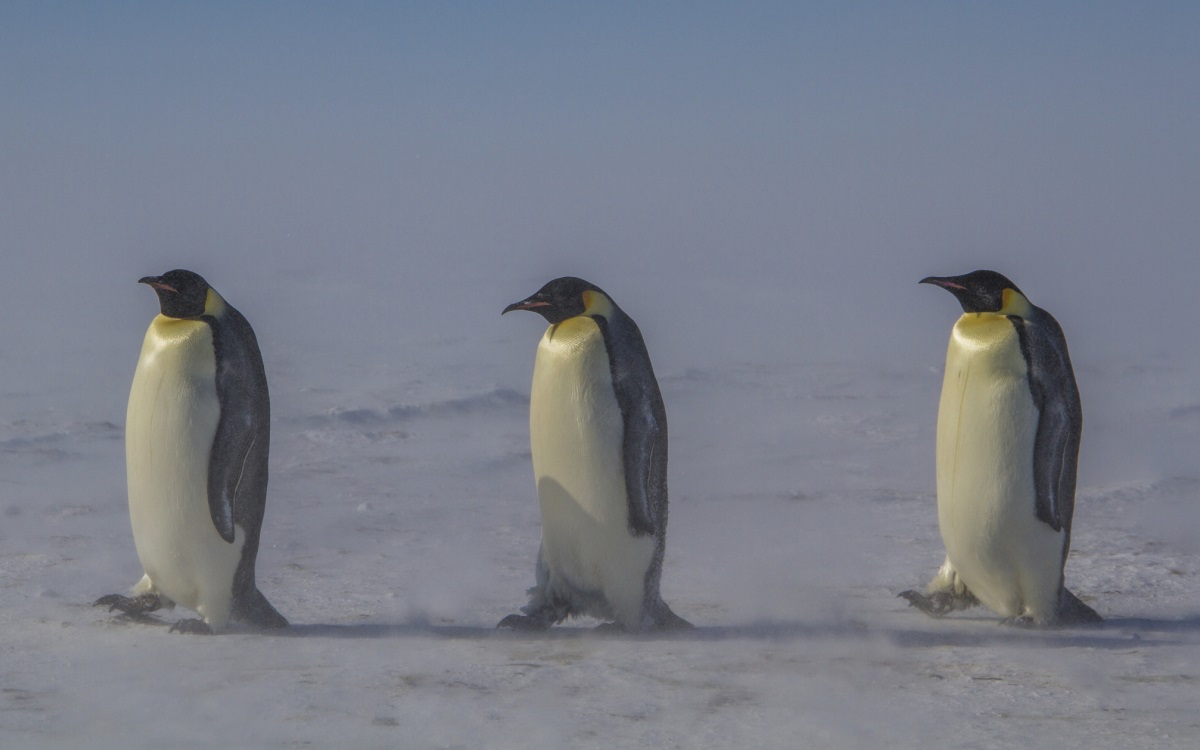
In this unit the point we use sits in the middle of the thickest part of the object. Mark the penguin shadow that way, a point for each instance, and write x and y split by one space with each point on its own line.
765 631
1189 624
1114 633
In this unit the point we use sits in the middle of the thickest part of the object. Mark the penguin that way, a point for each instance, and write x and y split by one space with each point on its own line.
197 432
598 435
1008 431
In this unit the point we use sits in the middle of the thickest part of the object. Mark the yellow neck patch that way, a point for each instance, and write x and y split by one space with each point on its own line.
582 325
595 303
1014 303
214 304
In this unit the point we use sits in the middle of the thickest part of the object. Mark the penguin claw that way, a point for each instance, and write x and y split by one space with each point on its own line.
112 601
191 627
135 606
921 602
940 603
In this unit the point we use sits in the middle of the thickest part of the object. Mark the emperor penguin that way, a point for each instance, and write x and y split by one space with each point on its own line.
1008 432
598 434
197 432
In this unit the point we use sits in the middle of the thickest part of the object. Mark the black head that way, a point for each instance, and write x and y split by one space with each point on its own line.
978 291
558 300
181 294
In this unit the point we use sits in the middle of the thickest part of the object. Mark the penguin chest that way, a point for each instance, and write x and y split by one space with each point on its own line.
169 430
577 434
987 426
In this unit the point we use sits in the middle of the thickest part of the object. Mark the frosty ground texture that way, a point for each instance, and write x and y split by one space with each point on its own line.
402 526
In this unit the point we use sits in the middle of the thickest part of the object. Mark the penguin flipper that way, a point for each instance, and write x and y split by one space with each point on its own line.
644 446
645 471
237 467
1060 418
1055 453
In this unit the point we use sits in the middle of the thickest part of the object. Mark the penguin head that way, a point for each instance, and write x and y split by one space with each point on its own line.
983 292
181 294
565 298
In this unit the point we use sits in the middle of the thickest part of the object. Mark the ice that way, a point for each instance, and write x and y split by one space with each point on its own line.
402 525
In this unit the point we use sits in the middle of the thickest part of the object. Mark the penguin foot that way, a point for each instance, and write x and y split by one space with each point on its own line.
940 603
191 627
1024 621
131 606
526 623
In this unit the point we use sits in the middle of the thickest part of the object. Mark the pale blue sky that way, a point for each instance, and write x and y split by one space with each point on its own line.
791 169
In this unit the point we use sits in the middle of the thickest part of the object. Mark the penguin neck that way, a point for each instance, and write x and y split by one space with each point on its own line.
597 308
214 304
214 308
572 332
597 304
1015 304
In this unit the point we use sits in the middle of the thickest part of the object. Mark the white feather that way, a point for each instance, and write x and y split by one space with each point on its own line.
987 424
169 428
576 433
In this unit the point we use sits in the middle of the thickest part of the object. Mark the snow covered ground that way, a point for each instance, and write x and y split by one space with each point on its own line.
402 526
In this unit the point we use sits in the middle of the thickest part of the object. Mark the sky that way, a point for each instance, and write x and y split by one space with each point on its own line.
750 181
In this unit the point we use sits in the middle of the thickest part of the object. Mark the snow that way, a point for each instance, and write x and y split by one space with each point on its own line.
402 526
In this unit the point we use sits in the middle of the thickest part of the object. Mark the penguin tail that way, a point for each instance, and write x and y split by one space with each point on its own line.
1072 611
253 608
662 618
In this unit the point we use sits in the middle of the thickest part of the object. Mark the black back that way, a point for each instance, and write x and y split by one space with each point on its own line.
1060 416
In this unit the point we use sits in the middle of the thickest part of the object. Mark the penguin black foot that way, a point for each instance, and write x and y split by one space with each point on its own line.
136 607
940 603
526 623
191 627
1071 612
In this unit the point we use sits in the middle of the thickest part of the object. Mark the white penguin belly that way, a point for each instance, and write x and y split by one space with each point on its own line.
987 425
169 429
576 433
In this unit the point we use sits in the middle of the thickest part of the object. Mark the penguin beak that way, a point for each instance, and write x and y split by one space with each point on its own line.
528 304
943 282
157 283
